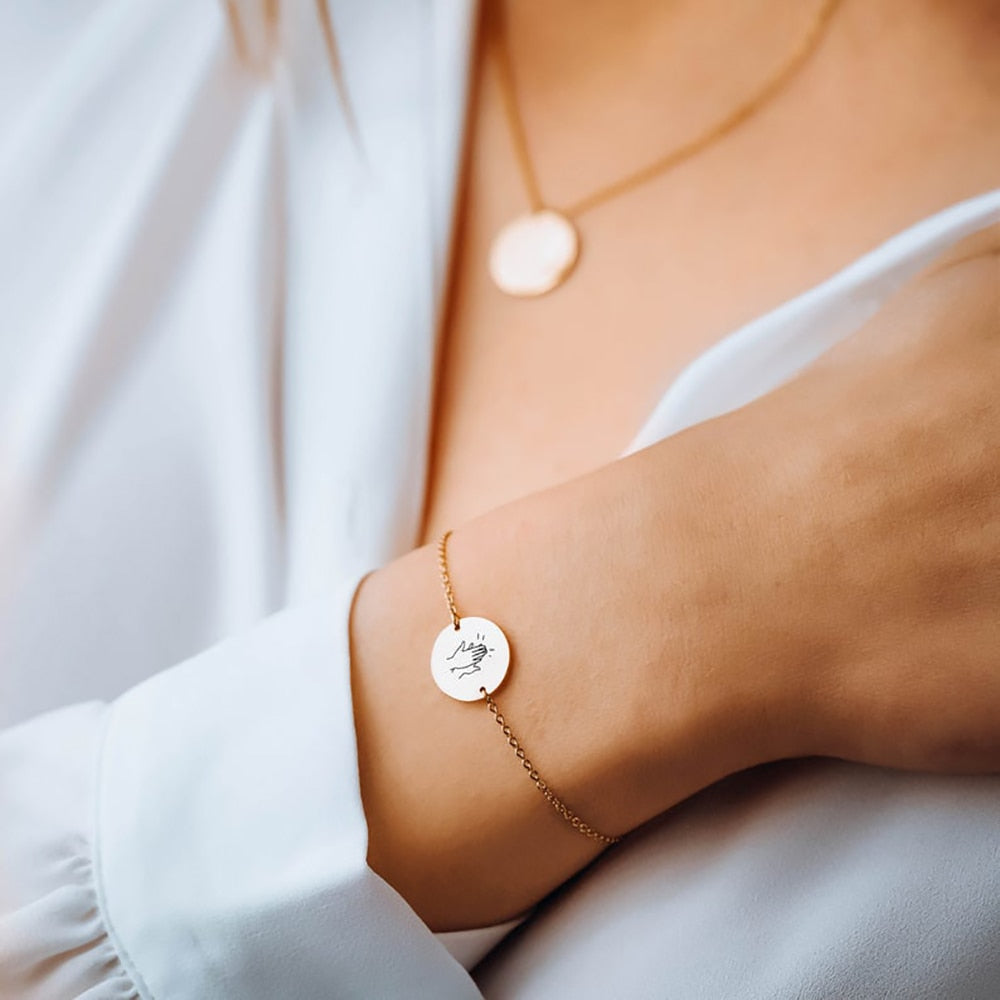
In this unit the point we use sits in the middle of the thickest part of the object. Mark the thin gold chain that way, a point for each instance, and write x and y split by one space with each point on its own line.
550 796
449 594
806 46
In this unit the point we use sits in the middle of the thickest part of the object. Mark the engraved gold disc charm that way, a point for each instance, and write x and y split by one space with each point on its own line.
533 253
474 655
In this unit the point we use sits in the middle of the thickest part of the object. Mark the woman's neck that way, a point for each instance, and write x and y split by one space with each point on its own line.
606 86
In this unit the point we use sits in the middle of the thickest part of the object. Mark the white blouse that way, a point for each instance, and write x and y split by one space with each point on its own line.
218 310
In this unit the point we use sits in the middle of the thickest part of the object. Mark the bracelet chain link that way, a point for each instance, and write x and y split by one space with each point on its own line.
549 795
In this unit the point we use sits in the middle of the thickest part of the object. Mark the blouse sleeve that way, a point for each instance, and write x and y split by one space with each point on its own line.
202 836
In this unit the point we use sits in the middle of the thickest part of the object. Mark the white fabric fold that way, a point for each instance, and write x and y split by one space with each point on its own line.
231 836
54 942
228 853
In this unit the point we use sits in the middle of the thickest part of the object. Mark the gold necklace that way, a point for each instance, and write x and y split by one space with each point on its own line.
537 251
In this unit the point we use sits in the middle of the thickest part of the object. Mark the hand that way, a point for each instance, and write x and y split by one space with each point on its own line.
888 514
469 662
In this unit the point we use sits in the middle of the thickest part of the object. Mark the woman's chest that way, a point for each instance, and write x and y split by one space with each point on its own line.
531 392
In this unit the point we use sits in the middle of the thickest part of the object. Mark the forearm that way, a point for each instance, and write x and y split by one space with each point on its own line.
629 685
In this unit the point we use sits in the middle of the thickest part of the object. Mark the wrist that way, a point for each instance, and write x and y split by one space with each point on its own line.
641 672
738 647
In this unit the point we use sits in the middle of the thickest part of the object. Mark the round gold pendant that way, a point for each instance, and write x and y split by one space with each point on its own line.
473 656
534 253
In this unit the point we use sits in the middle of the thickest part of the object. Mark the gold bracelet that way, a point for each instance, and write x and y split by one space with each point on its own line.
473 667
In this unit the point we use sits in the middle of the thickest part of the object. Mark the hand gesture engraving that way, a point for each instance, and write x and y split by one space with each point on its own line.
474 652
467 659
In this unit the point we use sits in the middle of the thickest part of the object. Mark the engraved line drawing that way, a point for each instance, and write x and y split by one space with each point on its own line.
476 650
